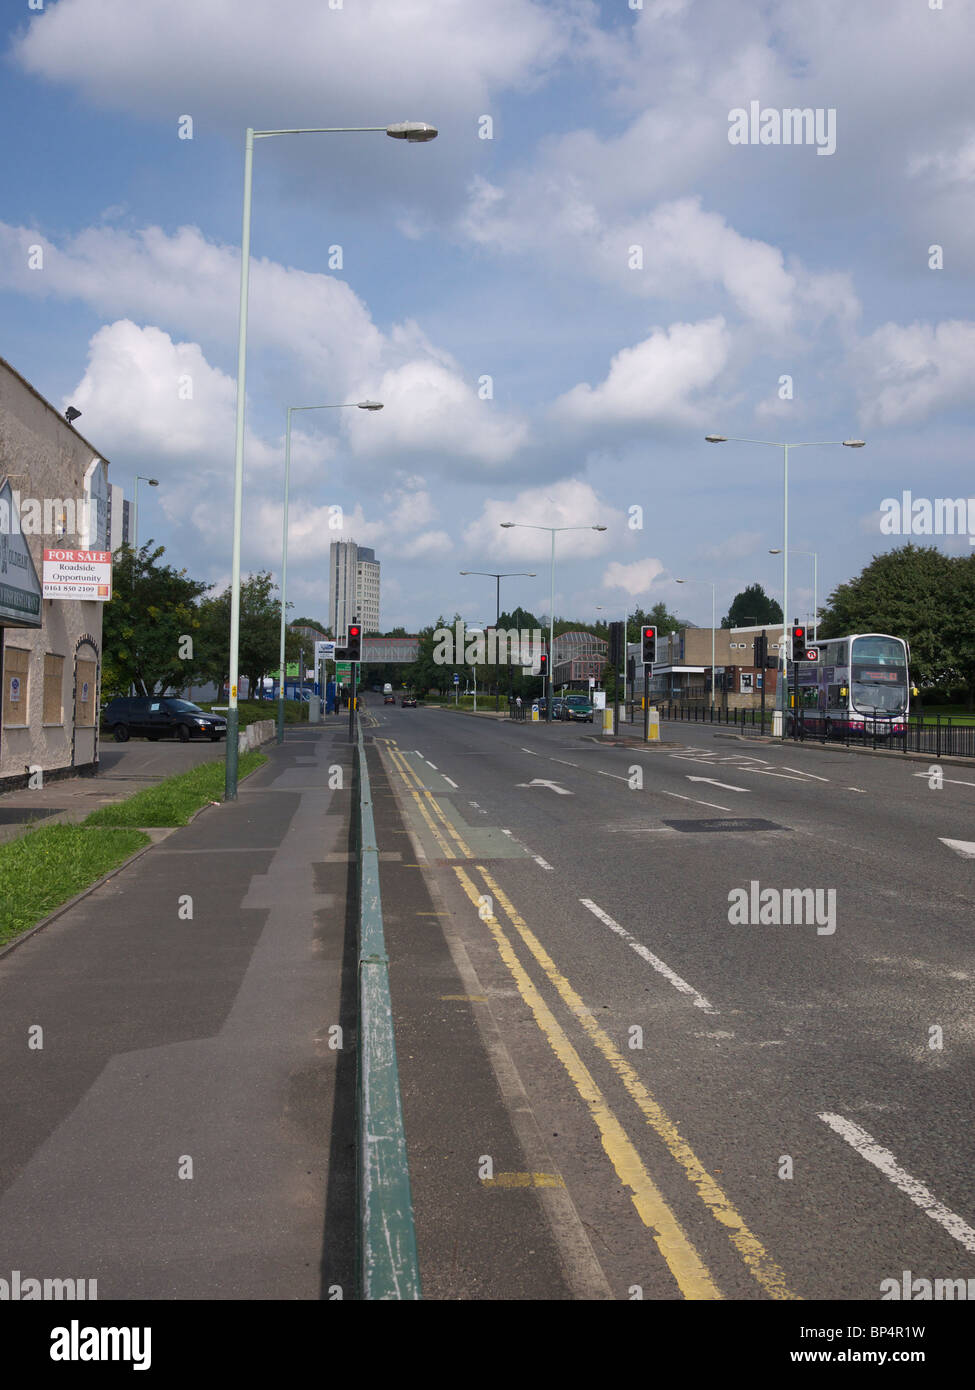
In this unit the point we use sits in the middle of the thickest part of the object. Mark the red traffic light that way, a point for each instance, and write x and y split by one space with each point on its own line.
354 631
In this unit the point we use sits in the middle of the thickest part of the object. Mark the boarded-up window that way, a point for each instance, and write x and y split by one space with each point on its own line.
85 693
16 664
53 684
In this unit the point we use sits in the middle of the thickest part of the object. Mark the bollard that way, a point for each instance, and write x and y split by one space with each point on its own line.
608 722
653 726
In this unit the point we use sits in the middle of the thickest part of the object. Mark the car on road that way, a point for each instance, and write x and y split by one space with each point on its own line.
160 717
389 699
408 702
576 707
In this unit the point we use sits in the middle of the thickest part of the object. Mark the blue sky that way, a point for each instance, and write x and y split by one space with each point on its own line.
507 258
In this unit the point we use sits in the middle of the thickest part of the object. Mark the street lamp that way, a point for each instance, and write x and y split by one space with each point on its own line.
293 409
527 526
600 608
778 723
512 574
413 131
815 559
707 581
153 482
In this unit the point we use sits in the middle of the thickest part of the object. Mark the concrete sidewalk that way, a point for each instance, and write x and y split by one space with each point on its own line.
185 1130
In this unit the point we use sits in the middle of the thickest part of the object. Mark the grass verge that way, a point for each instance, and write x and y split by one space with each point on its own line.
174 801
44 868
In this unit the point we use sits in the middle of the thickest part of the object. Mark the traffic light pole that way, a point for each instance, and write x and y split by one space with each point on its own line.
646 702
355 671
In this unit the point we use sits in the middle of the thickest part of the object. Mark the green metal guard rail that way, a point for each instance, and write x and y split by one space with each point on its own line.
386 1238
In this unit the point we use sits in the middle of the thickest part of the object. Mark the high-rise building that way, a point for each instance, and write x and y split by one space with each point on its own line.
353 587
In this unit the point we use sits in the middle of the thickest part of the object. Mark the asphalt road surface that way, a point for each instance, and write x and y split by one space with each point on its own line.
690 1096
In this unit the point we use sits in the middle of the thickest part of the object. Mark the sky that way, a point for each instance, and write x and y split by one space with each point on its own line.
555 300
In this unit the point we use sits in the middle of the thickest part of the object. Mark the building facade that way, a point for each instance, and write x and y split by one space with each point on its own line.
53 495
682 670
353 588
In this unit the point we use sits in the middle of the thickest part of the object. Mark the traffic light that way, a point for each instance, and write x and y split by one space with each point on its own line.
616 645
543 664
353 643
761 650
649 638
798 641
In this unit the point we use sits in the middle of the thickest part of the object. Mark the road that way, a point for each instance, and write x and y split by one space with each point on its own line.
710 1107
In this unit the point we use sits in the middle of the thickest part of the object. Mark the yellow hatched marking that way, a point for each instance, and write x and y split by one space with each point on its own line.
757 1259
523 1180
397 761
465 851
692 1277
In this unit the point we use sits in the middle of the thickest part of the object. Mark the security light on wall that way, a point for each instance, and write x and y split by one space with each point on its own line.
72 414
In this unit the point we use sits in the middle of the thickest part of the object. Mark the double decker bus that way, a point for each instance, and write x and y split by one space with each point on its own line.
860 685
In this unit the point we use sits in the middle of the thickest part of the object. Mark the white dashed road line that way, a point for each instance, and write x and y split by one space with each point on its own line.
868 1148
713 804
450 780
660 966
542 863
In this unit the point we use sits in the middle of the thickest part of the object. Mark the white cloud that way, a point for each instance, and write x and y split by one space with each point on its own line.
635 578
570 503
909 372
656 379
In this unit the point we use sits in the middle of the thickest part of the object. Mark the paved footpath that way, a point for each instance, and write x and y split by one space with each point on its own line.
185 1130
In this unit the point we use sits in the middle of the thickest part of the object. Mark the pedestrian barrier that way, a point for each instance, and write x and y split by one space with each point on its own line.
386 1238
940 737
261 731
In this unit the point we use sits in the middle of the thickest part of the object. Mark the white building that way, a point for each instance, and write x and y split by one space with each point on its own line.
353 588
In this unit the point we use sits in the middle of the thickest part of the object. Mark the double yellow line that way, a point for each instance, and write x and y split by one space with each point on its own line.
688 1269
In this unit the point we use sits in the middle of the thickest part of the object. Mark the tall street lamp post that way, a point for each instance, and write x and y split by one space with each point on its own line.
706 581
781 698
415 132
293 409
551 618
153 482
491 574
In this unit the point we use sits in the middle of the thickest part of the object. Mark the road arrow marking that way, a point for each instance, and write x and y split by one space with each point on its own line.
552 786
725 786
966 848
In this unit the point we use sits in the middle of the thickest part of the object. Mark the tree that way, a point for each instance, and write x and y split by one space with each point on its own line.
659 617
752 608
260 631
151 629
918 593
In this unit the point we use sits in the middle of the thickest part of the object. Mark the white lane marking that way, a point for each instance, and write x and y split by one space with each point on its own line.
614 775
430 764
713 804
725 786
954 780
806 774
966 848
543 863
552 786
563 762
450 780
660 966
419 754
857 789
868 1148
531 751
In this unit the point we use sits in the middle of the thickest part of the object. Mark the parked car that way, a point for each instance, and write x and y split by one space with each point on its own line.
389 699
160 717
577 707
408 702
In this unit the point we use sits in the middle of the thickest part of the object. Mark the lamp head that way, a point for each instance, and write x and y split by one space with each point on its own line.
716 438
369 405
417 132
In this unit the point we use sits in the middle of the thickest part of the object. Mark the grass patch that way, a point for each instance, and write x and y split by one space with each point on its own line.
958 714
174 801
44 868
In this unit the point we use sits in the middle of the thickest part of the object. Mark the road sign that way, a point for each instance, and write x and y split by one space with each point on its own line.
811 654
325 651
456 679
343 672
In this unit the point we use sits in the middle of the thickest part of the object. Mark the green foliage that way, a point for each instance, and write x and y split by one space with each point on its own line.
260 632
752 607
144 628
923 595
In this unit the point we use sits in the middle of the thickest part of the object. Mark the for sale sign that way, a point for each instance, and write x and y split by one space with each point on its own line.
78 574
